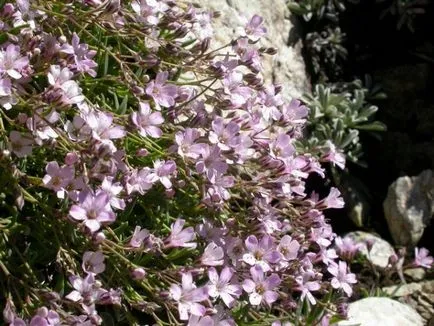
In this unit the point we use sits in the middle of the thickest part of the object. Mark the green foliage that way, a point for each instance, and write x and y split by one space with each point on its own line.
327 52
405 11
339 113
317 9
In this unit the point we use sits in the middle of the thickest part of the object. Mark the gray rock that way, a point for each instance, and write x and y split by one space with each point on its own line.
420 296
287 66
382 311
381 249
409 289
415 274
409 207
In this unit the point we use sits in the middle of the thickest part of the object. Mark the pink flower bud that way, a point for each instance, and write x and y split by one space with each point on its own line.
71 158
99 237
142 152
138 273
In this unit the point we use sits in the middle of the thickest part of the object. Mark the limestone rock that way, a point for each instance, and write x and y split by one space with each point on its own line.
415 274
409 289
382 311
287 66
409 207
418 295
381 249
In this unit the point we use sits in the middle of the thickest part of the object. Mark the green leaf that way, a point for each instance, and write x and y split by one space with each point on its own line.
123 106
373 126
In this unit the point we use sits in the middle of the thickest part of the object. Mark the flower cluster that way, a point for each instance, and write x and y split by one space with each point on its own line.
168 170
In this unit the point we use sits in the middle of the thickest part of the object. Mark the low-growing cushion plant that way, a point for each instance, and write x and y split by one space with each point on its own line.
150 178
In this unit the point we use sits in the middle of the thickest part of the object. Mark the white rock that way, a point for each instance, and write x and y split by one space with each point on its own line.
287 66
381 311
381 249
409 207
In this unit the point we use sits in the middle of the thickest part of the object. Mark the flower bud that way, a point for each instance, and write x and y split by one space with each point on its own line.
8 311
138 90
99 237
393 259
71 158
369 244
142 152
204 46
138 273
62 39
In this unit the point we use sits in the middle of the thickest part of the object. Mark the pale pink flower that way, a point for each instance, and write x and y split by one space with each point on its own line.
163 94
422 258
211 163
20 144
342 279
306 285
212 255
180 237
262 253
12 63
93 262
58 178
255 29
93 210
147 121
289 248
188 297
333 155
221 286
261 288
138 237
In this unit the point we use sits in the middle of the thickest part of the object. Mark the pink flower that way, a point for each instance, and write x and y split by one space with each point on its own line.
147 10
93 210
211 163
64 89
186 146
81 55
261 288
212 255
333 200
163 171
93 262
261 253
333 155
138 237
113 190
422 258
200 321
254 29
12 63
162 93
58 178
85 289
236 92
289 248
224 135
221 286
305 285
282 147
102 125
187 296
180 237
140 181
20 144
294 113
45 317
342 279
271 102
147 121
347 248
